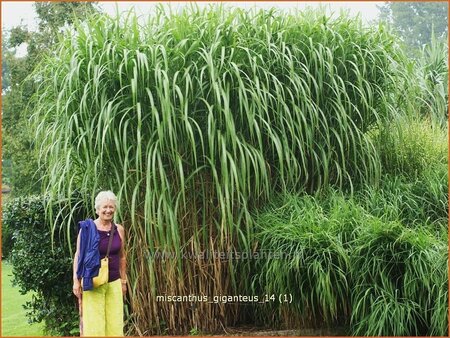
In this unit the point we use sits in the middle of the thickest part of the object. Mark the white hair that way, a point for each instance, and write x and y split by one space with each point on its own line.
103 196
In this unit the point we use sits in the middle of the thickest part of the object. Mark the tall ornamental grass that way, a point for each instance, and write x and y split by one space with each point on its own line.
424 86
433 87
197 117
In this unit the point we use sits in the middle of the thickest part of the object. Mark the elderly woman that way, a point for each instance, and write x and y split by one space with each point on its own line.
101 305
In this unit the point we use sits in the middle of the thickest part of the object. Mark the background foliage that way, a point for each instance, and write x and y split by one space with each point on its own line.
416 21
19 151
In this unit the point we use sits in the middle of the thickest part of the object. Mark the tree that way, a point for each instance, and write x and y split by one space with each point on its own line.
415 21
18 144
6 54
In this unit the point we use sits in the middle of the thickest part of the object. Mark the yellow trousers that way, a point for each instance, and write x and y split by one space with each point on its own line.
102 313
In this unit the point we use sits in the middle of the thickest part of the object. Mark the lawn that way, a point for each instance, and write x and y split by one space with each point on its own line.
14 320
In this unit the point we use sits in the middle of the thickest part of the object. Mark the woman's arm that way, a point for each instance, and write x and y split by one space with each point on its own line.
123 259
76 281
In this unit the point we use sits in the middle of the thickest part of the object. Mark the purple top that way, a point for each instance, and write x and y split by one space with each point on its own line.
114 252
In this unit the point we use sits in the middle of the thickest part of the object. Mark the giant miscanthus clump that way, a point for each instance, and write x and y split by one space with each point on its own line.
197 117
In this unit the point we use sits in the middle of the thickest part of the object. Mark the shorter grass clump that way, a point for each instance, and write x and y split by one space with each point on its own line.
397 274
314 263
347 267
423 200
414 184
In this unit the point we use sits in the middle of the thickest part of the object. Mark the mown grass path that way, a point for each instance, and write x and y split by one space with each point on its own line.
14 320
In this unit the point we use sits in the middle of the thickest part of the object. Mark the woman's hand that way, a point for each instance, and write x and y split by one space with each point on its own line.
77 288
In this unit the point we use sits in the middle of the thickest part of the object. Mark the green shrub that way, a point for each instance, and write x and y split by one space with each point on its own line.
39 267
7 240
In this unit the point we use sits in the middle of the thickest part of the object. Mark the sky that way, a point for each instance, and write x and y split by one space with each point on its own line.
15 13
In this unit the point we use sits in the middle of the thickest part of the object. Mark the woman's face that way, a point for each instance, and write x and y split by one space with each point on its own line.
106 210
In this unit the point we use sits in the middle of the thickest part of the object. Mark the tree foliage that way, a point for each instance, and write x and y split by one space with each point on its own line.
18 143
416 21
6 54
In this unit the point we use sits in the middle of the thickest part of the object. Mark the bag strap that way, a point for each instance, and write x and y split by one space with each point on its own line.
113 227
